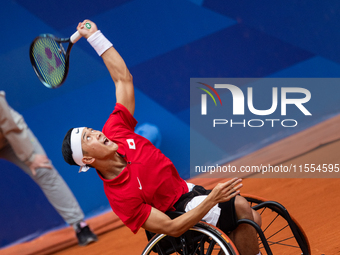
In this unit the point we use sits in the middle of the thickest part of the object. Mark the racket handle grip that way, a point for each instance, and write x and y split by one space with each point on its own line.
75 37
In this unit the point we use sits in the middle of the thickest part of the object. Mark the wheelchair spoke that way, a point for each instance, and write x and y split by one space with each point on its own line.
172 249
281 235
184 246
211 247
269 224
160 251
283 244
189 244
201 245
262 210
277 232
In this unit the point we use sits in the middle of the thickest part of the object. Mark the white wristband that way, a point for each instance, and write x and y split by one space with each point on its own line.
99 42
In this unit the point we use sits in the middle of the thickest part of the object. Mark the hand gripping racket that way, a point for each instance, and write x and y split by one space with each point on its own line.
49 59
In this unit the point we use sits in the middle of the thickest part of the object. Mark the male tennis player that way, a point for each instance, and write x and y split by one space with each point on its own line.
139 181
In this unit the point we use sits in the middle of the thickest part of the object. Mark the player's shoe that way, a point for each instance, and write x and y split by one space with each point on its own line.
85 235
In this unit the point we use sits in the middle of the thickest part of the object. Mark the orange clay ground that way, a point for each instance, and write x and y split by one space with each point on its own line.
314 202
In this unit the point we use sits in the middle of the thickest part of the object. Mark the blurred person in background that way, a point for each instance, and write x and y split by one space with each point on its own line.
19 146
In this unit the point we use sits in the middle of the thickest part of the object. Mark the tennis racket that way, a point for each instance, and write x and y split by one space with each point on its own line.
49 59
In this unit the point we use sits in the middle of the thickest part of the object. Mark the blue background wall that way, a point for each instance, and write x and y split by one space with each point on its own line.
164 43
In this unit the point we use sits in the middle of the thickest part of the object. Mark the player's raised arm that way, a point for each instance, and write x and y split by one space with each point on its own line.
114 62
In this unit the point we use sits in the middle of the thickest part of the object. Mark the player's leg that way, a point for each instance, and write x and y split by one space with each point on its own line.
244 236
226 215
257 218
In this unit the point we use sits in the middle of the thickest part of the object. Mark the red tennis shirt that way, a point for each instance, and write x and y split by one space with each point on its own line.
149 180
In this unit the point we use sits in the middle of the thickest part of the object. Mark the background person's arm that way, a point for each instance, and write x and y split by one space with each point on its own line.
14 129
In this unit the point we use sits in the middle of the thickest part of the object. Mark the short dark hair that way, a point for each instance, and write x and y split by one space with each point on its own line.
66 148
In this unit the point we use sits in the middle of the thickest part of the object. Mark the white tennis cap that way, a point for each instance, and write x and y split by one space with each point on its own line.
77 151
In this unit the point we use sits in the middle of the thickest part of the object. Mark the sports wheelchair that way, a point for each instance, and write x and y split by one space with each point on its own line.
280 233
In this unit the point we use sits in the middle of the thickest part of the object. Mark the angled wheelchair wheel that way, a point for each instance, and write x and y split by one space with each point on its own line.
202 239
282 232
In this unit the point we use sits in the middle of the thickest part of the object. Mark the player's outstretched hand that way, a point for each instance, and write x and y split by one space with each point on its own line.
225 191
87 28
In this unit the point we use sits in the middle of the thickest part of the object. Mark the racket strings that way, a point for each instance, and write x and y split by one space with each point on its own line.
49 61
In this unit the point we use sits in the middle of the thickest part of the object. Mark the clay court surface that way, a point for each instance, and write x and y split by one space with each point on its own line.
314 202
313 206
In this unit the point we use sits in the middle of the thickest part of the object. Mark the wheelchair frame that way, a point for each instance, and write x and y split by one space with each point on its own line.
193 243
190 244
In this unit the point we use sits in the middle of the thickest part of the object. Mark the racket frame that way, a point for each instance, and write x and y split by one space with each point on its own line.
72 40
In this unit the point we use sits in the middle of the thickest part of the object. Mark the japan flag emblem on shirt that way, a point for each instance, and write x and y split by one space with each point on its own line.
131 143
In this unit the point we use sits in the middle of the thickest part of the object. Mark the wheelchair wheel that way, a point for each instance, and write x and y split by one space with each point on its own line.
283 233
202 239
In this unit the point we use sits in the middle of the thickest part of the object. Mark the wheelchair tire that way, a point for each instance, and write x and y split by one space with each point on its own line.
279 233
202 238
